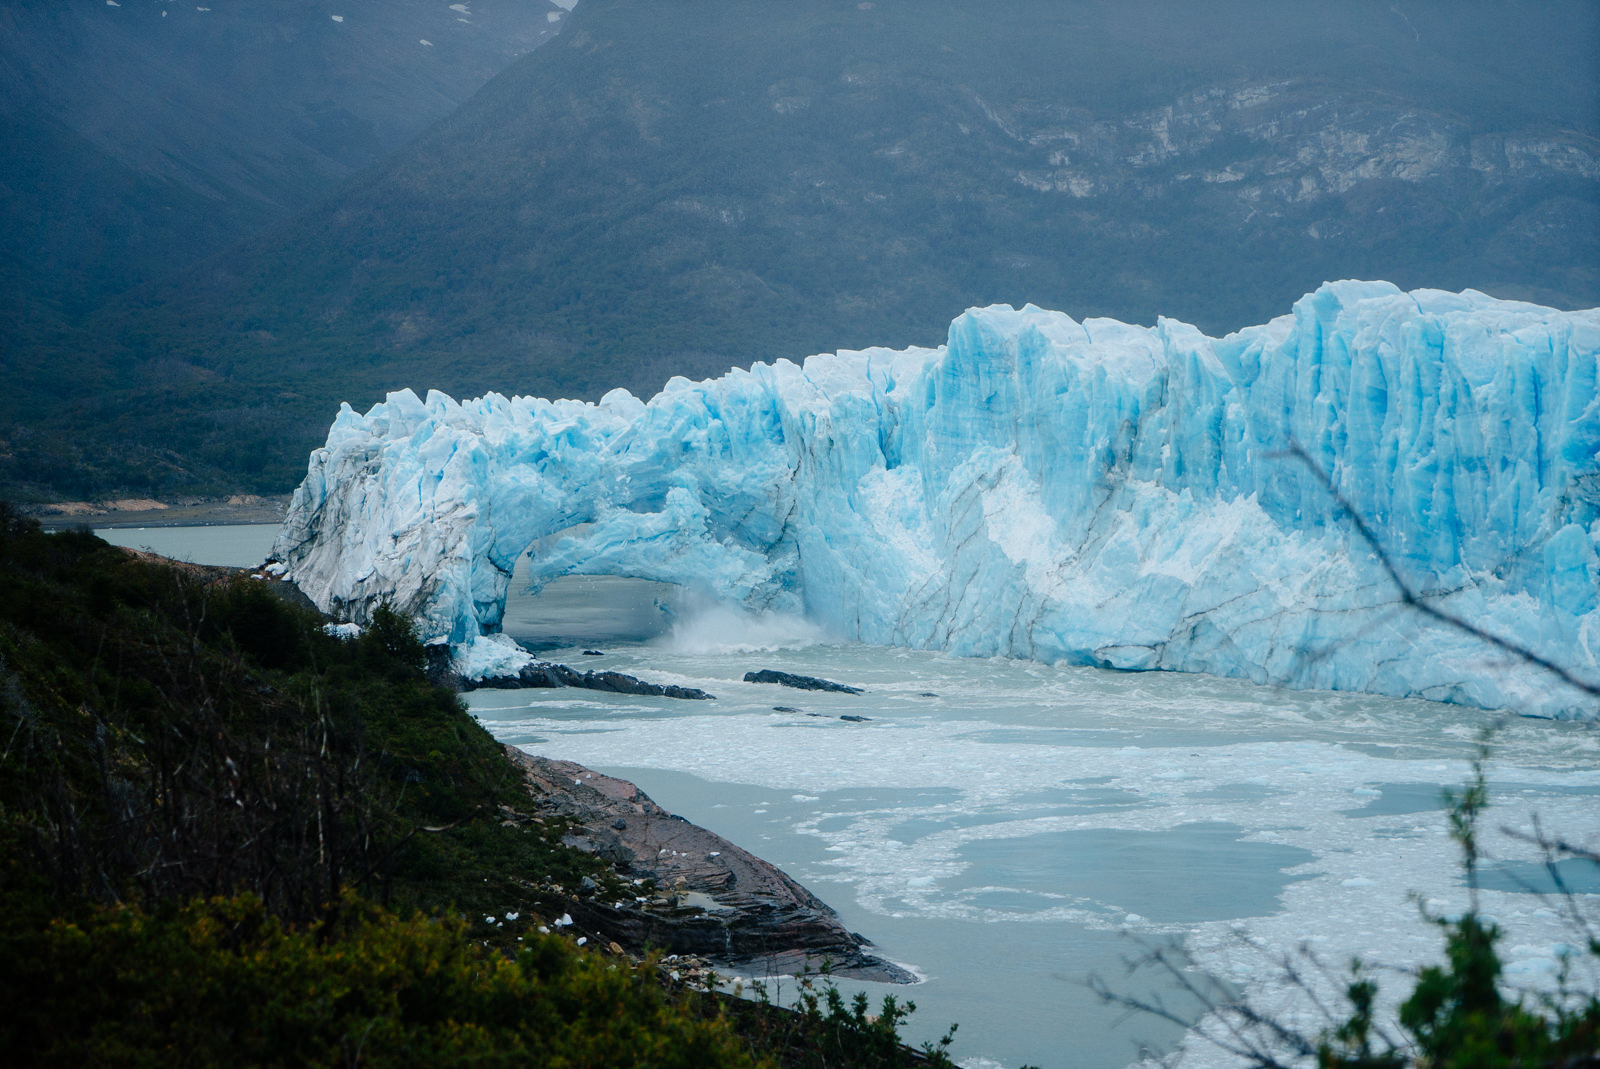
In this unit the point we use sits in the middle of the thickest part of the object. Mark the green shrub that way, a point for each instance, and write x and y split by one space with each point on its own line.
223 982
1456 1016
179 732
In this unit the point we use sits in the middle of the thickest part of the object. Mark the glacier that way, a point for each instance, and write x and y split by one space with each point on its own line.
1092 492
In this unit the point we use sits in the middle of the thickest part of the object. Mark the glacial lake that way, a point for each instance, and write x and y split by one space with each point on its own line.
1008 829
237 545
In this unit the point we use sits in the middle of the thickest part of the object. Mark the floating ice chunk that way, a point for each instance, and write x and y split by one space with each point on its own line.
490 655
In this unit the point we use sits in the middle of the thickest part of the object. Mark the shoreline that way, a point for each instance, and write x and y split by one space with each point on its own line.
712 899
237 510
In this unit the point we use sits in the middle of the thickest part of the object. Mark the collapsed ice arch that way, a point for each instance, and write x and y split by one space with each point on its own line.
1092 492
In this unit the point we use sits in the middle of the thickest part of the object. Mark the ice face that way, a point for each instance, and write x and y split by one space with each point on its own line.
1093 492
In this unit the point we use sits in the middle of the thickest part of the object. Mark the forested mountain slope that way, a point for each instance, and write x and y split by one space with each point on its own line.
141 134
657 194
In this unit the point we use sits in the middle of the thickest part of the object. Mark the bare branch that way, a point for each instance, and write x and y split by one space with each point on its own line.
1409 596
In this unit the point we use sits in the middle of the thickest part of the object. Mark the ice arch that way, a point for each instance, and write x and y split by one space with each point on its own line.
1094 492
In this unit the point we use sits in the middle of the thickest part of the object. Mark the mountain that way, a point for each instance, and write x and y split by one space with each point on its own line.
1089 493
674 189
140 135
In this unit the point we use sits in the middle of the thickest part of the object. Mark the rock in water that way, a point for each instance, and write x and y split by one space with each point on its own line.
1095 493
789 679
545 674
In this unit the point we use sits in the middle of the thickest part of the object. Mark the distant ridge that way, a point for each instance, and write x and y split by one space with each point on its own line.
659 193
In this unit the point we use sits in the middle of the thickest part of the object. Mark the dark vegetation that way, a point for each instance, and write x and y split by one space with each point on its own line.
134 145
227 837
675 189
172 734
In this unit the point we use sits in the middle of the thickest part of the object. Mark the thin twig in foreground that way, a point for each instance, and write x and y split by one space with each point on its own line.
1410 597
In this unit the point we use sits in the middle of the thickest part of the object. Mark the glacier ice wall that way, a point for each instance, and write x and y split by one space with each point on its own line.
1092 492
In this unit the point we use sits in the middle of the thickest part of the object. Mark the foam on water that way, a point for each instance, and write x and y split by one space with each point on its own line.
1008 797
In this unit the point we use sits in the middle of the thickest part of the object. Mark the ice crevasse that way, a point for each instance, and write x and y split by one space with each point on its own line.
1091 492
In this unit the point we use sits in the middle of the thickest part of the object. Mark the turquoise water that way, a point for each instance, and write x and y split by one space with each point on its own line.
1009 829
239 545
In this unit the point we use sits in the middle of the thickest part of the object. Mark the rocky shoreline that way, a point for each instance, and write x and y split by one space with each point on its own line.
710 899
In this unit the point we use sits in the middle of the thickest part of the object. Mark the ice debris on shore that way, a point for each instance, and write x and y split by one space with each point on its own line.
1092 492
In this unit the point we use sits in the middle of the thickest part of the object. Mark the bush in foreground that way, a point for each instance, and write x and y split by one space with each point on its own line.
223 982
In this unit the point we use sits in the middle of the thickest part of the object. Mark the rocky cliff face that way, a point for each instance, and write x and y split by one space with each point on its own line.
1269 146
